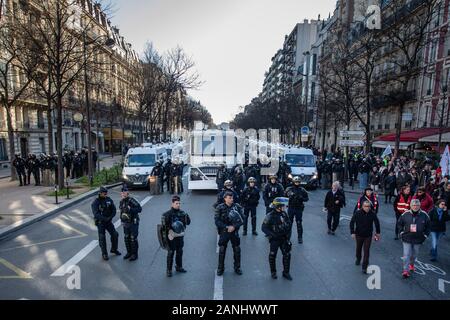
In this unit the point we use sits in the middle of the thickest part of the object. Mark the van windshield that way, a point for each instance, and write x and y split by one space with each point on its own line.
140 160
300 160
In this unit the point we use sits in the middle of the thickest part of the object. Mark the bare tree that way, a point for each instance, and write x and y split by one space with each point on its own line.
17 59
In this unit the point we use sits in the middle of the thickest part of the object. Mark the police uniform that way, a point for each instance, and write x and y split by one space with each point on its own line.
277 226
129 215
176 245
20 164
249 200
272 191
104 211
297 196
226 216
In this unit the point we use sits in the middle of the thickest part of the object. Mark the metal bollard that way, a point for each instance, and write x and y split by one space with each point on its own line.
56 194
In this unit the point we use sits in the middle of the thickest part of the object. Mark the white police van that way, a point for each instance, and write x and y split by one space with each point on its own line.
303 164
139 163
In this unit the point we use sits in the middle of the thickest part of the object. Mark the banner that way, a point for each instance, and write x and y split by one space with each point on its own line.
387 151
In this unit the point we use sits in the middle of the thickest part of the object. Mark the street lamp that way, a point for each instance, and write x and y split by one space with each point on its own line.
109 43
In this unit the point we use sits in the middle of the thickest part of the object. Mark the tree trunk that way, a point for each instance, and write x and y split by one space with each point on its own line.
398 130
49 126
59 144
12 149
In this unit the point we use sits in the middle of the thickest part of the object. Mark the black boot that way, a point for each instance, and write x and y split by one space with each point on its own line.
128 246
134 249
102 245
179 261
170 255
300 232
221 266
272 264
237 260
286 266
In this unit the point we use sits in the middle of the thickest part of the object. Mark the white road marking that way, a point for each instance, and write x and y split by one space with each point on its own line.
344 217
218 280
218 287
67 267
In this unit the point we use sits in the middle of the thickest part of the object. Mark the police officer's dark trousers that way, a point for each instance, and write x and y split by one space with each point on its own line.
102 228
250 211
284 246
175 249
224 238
297 214
131 232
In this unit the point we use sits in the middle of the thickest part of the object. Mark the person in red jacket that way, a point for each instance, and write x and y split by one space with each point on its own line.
426 201
401 205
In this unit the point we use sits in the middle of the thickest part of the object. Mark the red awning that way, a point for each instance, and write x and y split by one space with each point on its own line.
412 135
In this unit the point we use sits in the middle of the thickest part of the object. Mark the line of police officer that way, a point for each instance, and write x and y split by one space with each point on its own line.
32 165
229 217
170 173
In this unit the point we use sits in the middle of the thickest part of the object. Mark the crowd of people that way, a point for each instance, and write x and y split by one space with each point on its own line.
417 192
169 173
44 168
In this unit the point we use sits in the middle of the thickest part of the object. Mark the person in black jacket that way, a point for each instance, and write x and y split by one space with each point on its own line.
129 215
361 229
228 219
390 184
174 222
414 226
297 197
158 171
334 202
438 218
249 200
104 211
277 226
19 164
272 190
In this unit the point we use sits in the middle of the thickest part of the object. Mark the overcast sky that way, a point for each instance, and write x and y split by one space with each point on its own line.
231 41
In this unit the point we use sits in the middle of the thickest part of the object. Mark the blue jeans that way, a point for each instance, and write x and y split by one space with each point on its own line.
435 236
410 253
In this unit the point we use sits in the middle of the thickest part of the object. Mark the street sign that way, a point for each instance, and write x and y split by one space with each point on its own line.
348 133
351 143
304 130
305 138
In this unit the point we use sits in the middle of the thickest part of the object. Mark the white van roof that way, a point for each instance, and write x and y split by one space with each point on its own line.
298 151
146 150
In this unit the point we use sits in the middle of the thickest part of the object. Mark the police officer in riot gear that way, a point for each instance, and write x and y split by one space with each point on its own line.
158 171
277 226
104 211
20 165
221 177
228 187
228 219
297 196
129 215
174 222
249 200
272 190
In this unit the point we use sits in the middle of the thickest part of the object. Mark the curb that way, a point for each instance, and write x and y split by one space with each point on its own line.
49 212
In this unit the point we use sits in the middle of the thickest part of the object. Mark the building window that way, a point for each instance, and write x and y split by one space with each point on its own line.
387 126
432 52
40 119
430 81
3 152
42 144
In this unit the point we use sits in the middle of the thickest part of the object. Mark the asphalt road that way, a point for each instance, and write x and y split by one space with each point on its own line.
35 263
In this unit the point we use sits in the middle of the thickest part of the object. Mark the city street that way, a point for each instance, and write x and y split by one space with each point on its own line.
35 262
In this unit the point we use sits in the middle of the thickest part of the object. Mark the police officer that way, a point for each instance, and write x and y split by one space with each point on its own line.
238 180
129 215
167 174
158 171
228 219
173 176
272 190
297 197
34 165
20 165
67 162
104 211
28 165
277 226
174 222
221 177
249 200
228 187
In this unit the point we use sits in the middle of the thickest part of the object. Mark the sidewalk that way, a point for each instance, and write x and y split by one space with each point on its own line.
18 203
